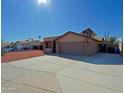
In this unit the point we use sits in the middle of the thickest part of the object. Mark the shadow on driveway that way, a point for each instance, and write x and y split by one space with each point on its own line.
99 58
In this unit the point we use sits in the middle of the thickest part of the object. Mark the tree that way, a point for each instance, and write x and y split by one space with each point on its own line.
112 39
106 37
12 44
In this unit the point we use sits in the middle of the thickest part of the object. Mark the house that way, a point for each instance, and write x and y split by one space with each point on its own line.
49 44
73 43
120 45
108 46
5 44
28 44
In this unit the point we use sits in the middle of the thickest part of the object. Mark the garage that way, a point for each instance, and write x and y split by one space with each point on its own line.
76 44
73 48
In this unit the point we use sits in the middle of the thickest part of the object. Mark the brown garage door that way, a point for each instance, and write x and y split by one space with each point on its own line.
74 48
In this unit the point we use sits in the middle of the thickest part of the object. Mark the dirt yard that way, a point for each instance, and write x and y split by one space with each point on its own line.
12 56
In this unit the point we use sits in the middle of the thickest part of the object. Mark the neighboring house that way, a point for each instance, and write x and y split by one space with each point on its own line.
6 47
5 44
83 43
107 46
28 44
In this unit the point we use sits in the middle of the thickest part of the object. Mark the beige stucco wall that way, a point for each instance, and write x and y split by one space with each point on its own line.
89 48
71 37
48 50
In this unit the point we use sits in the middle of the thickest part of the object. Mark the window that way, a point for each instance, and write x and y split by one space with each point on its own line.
47 44
89 34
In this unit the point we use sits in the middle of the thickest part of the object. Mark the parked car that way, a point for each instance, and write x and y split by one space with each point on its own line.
7 49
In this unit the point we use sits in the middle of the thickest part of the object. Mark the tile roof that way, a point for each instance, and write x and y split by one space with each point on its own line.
50 38
78 35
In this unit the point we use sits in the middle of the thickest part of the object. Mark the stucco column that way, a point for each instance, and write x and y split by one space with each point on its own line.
44 49
51 45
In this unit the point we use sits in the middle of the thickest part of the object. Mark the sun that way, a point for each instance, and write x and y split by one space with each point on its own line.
42 1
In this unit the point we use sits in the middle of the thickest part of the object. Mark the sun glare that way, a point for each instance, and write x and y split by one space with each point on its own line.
42 1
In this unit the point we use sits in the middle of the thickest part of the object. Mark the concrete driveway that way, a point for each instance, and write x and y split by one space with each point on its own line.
55 74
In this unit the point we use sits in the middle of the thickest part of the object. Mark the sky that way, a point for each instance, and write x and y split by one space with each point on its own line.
23 19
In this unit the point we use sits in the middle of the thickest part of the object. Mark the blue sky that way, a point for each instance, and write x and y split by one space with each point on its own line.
22 19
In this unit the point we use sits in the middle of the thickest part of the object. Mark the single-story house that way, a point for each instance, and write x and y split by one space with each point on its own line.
5 44
28 44
73 43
